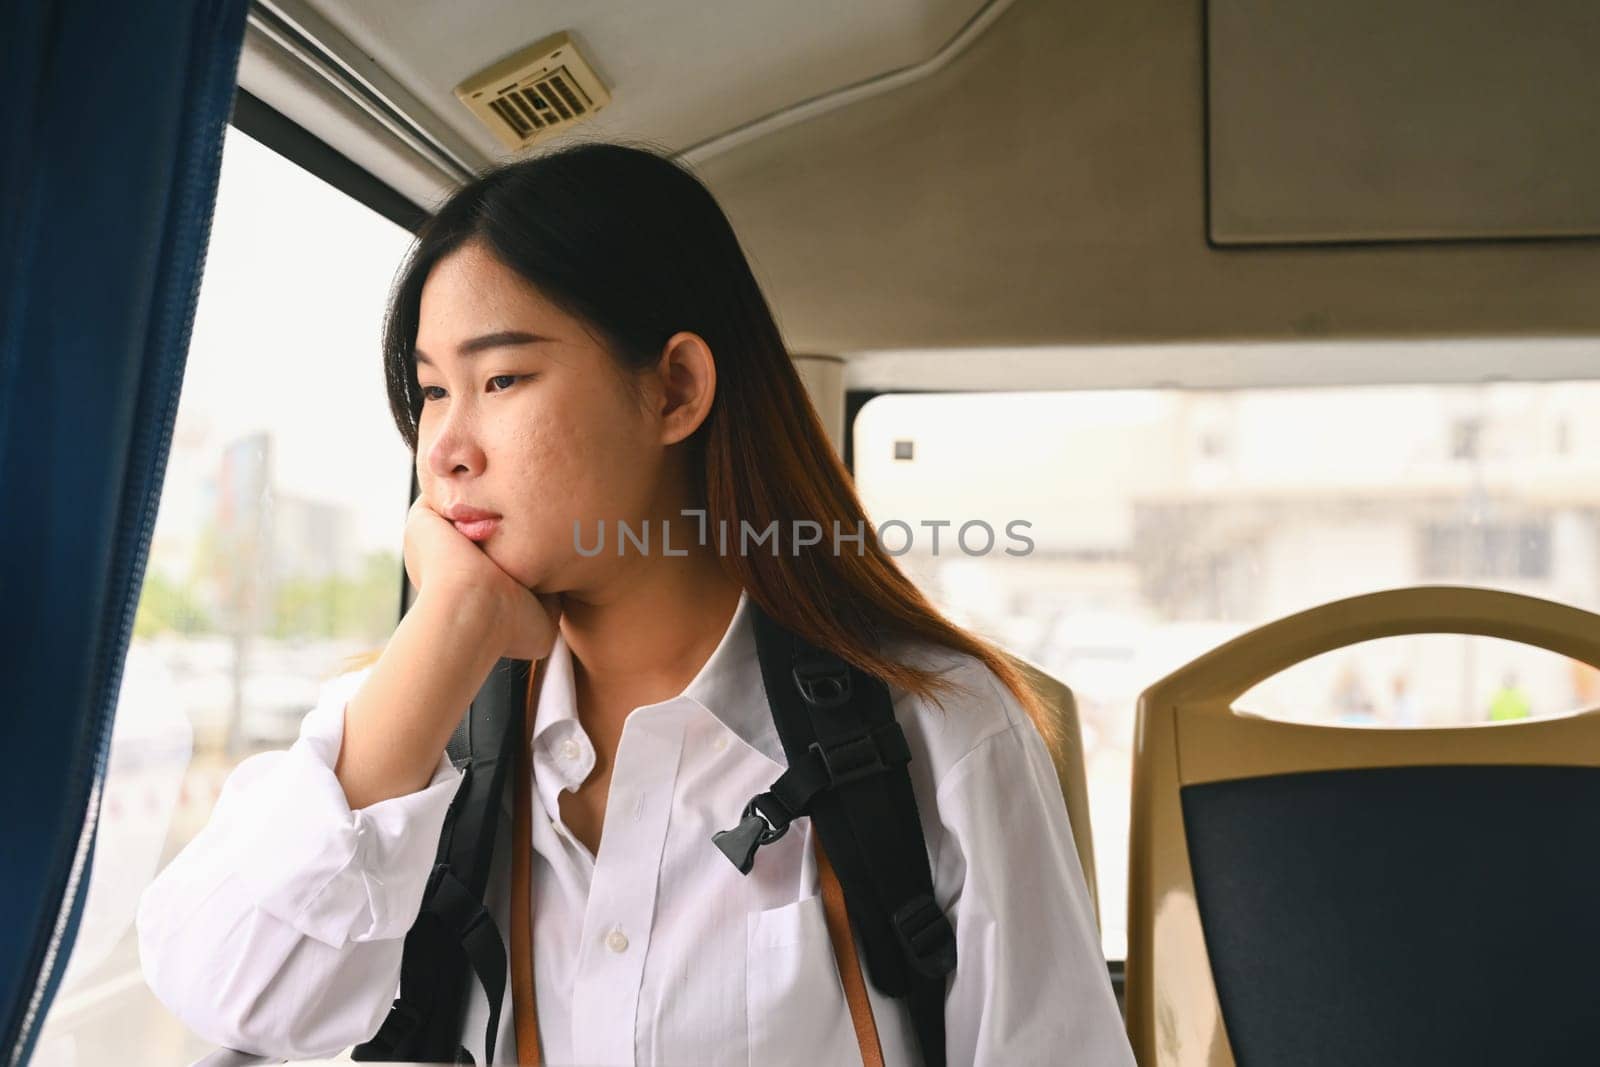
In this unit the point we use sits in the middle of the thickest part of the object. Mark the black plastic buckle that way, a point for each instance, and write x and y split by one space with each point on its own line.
926 936
757 826
823 683
850 760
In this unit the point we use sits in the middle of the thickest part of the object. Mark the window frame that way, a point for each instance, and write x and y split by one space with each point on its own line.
261 122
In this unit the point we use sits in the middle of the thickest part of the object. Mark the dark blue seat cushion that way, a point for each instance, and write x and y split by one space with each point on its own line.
1409 916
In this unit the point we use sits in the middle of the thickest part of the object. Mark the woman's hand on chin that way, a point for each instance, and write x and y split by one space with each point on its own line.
441 562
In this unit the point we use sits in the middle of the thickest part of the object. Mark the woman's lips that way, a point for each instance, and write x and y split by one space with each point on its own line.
477 529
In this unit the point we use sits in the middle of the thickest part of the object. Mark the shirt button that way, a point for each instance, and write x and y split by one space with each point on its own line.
617 941
721 743
569 749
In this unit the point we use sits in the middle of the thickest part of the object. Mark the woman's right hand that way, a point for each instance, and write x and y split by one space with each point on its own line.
440 559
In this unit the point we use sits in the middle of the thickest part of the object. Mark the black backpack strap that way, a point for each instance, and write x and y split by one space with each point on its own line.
847 771
454 932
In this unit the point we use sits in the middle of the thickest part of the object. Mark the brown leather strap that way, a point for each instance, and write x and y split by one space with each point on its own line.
525 1012
844 953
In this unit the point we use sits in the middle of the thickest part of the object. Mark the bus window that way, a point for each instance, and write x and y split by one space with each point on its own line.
276 555
1112 536
1427 680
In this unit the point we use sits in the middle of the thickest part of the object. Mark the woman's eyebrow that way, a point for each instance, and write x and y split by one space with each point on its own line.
502 339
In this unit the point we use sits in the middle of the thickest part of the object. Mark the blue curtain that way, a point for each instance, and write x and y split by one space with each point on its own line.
111 123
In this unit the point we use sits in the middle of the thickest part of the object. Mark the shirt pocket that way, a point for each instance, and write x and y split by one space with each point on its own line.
795 1011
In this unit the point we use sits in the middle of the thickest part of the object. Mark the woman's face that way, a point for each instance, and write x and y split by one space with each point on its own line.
542 431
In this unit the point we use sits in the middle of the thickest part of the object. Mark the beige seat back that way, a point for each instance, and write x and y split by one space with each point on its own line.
1068 755
1195 754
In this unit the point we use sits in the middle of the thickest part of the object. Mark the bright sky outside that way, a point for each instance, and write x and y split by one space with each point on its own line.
286 340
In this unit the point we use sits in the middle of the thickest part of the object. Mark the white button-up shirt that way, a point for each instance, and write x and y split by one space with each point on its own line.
279 928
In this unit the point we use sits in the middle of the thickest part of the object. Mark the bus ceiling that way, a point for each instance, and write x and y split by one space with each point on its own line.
1023 194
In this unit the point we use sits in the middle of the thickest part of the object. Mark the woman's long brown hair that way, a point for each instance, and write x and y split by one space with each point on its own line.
633 244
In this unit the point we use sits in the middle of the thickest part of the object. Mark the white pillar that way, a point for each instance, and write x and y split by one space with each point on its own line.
823 377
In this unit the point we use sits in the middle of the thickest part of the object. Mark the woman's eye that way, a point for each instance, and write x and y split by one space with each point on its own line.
508 379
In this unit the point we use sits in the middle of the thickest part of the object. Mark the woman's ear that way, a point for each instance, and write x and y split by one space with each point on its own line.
686 385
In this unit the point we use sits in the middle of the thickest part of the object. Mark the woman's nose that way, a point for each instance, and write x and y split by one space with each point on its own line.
455 448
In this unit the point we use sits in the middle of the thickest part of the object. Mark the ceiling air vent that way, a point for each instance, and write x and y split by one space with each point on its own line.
537 93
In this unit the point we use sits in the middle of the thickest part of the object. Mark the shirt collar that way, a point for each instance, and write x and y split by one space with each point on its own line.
728 686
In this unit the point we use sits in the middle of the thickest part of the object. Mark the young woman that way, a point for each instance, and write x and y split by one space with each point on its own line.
577 342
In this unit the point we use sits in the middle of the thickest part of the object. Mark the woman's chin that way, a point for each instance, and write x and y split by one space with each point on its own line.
532 575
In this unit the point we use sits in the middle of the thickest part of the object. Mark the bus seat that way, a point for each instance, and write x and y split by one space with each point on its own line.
1314 894
1067 752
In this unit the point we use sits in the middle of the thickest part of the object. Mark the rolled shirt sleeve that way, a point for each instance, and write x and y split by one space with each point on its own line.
1031 984
310 861
279 928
